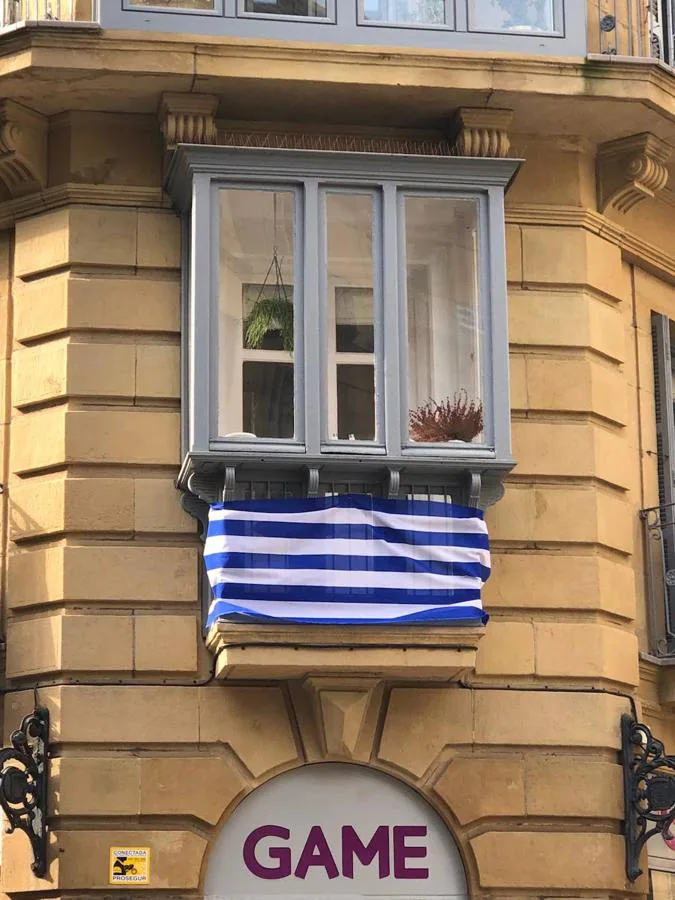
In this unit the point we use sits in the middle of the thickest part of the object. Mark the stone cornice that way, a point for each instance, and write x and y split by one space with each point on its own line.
88 194
122 53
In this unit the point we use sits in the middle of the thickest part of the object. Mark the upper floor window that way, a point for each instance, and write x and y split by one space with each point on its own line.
345 309
538 26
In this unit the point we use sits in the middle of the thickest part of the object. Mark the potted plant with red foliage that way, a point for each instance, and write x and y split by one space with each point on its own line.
453 419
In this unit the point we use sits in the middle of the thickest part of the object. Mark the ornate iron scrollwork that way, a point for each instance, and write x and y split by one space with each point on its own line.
24 774
649 790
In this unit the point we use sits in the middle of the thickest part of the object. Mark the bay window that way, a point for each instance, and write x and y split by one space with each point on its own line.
344 312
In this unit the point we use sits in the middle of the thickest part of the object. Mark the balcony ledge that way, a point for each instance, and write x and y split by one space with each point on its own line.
392 653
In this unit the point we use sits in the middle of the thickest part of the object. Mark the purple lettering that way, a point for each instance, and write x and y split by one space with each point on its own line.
316 852
352 846
282 854
403 853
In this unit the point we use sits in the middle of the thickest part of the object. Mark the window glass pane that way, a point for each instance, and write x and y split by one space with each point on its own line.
511 15
208 5
356 411
351 323
409 12
315 9
268 399
256 313
443 319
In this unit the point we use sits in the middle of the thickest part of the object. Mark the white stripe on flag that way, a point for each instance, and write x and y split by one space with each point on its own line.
341 547
339 578
289 609
341 516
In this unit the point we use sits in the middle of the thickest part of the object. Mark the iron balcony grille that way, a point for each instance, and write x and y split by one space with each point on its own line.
644 29
16 12
659 541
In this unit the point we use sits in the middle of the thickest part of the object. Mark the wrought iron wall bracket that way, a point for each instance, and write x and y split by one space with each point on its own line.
649 790
24 774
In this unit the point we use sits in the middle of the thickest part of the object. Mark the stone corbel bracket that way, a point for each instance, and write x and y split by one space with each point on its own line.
188 119
629 170
480 132
23 149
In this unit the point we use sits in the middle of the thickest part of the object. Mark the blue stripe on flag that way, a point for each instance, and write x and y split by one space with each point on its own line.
322 531
343 563
318 593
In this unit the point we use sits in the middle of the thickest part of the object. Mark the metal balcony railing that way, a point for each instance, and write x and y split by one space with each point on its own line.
643 29
14 12
658 524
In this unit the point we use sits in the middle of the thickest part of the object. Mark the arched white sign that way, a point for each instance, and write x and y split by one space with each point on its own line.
334 830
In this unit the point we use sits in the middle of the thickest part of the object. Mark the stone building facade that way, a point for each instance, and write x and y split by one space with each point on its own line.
509 733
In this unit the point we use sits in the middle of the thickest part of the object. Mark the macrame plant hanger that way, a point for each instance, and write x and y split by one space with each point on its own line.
275 311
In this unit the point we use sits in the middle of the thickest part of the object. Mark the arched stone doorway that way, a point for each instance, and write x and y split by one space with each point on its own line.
334 830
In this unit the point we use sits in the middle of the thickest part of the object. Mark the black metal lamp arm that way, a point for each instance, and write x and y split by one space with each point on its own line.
24 774
649 790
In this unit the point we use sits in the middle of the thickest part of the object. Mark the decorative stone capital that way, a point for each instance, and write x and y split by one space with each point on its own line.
480 132
188 119
629 170
23 149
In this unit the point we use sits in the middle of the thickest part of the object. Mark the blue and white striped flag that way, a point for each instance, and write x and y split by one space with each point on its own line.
346 559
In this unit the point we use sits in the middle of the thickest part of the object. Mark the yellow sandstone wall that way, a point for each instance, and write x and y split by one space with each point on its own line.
102 576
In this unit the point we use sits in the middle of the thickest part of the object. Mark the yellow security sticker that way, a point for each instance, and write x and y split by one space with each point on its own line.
129 865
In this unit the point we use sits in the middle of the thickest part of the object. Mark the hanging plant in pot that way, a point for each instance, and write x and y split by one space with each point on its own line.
453 419
270 311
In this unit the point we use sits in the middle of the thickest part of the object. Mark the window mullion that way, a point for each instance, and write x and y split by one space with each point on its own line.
390 312
314 339
203 352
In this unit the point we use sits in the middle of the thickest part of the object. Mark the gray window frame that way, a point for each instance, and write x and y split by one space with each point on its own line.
346 26
196 174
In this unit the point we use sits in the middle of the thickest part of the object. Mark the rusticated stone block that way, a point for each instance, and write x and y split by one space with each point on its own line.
97 786
254 721
165 643
67 302
214 785
597 793
566 318
158 372
506 649
544 580
175 857
58 504
421 722
158 239
587 650
525 718
86 235
475 788
122 573
136 715
550 860
564 255
69 643
157 508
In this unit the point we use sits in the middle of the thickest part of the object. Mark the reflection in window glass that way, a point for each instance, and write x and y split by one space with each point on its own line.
444 385
405 12
173 5
314 9
351 347
256 314
511 15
